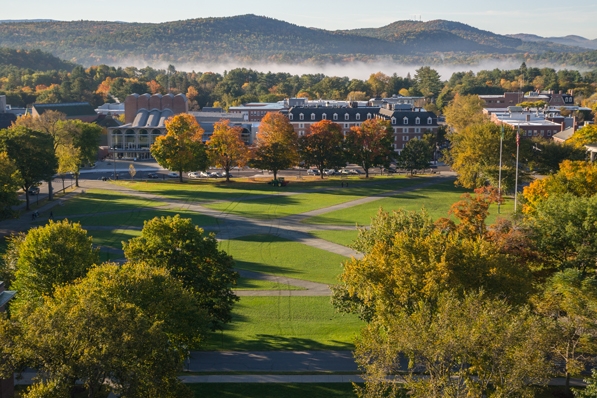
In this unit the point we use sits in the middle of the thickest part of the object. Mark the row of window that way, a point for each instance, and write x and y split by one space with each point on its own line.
358 117
536 133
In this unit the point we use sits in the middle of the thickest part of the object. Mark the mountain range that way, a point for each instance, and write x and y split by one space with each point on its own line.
251 38
571 40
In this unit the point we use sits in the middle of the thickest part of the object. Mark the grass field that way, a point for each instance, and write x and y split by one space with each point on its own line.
344 238
260 390
273 255
258 284
286 323
135 218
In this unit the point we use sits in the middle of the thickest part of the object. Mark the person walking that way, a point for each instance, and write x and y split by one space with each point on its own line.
51 215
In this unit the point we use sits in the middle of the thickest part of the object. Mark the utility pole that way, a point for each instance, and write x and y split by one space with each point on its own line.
500 172
516 180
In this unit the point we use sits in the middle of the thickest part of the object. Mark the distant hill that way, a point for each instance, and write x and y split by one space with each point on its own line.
24 20
254 38
570 40
32 59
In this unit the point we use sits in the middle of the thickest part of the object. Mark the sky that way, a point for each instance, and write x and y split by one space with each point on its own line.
543 18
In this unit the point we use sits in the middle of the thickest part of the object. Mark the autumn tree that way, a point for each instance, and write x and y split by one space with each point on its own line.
182 148
583 136
464 111
370 144
415 155
9 184
226 148
322 147
32 154
47 257
131 325
277 144
79 147
191 256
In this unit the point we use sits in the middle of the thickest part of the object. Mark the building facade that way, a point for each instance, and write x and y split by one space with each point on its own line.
256 111
7 387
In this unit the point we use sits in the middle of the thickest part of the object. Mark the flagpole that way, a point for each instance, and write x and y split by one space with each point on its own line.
516 181
500 172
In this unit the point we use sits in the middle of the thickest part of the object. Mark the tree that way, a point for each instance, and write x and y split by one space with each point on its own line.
548 159
50 123
428 81
47 257
277 144
191 256
32 154
463 111
469 346
121 329
9 184
226 147
583 136
574 177
475 156
80 146
182 148
370 144
132 171
322 148
570 299
414 156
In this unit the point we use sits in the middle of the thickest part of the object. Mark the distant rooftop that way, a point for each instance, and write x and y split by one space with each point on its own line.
70 109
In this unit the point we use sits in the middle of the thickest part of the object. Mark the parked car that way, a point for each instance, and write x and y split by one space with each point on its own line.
34 191
345 172
203 174
329 172
313 172
152 175
223 175
213 174
194 174
173 174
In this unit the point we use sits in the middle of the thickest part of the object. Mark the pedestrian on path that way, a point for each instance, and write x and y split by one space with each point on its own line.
51 215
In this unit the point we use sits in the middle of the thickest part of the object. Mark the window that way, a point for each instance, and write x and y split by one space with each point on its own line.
335 117
301 125
405 120
301 133
346 116
312 116
417 130
368 116
429 120
301 117
346 125
324 116
405 138
549 133
418 121
290 117
393 120
358 116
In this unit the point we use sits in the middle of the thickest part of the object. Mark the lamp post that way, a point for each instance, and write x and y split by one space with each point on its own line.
500 172
516 179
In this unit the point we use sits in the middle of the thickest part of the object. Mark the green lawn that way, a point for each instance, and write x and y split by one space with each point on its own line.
136 218
113 238
264 390
274 255
258 284
99 201
286 323
344 238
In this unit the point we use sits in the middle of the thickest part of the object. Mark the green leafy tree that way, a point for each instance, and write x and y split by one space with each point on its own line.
370 144
47 257
463 111
32 154
9 185
130 324
428 81
191 256
277 144
551 154
80 146
226 147
415 155
322 148
469 346
182 148
570 299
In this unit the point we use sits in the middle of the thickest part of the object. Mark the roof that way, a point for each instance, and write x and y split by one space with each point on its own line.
70 109
564 135
107 121
268 106
152 118
6 119
5 296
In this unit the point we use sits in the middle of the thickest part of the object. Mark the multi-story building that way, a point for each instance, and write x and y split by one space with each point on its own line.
6 385
82 111
407 121
531 124
256 111
551 98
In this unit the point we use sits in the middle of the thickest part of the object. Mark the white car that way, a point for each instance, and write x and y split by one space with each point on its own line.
313 172
194 174
329 172
173 175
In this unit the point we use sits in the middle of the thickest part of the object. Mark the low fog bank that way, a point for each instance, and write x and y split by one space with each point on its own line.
353 70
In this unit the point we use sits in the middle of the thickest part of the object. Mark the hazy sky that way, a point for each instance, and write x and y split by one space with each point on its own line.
544 18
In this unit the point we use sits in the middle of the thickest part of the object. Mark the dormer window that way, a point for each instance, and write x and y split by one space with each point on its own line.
290 116
417 121
405 120
368 116
335 116
429 120
346 116
358 116
312 116
324 116
301 117
393 120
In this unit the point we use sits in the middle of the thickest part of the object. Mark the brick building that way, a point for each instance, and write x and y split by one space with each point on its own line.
255 111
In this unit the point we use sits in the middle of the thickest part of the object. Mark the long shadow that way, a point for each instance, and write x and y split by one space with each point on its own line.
266 268
269 342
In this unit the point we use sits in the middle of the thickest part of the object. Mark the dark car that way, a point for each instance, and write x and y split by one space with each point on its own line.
152 175
34 191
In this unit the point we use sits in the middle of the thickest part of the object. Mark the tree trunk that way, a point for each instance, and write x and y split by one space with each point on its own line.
275 174
567 380
180 175
50 191
27 197
77 180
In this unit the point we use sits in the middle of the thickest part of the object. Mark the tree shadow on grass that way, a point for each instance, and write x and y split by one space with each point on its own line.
269 342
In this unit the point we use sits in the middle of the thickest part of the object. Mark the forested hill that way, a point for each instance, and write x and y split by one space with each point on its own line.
253 38
33 59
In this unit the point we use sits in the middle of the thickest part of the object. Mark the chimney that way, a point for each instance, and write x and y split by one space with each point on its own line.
528 117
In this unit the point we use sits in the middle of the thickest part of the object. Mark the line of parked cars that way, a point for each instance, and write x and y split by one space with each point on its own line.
331 172
207 174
